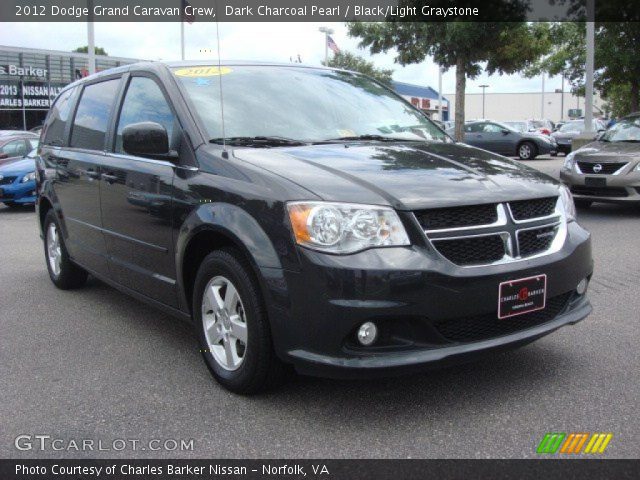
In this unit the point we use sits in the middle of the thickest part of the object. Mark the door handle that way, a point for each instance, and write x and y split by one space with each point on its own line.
91 173
109 178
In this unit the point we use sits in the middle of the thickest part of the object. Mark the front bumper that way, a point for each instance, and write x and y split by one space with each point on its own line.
411 294
18 193
620 188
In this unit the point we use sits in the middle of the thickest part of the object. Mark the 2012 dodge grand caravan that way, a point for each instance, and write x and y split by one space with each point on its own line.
303 216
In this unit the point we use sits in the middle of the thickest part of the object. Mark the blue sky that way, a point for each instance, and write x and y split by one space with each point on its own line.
250 41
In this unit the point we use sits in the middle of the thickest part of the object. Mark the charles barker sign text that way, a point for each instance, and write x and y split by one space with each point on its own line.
15 70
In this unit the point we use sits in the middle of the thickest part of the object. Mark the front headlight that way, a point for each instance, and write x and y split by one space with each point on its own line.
28 177
566 203
569 161
345 227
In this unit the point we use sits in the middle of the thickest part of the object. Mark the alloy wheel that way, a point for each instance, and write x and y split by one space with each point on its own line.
54 250
224 322
525 151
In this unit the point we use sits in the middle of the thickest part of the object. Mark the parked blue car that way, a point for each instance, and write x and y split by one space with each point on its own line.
18 181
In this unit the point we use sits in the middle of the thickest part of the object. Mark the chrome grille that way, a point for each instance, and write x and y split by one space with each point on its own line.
600 168
527 209
457 217
472 250
536 240
495 233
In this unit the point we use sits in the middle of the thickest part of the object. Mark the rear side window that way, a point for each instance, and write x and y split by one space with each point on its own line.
144 102
15 148
92 116
57 120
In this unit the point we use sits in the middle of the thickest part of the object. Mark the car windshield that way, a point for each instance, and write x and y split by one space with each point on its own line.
626 130
301 104
517 126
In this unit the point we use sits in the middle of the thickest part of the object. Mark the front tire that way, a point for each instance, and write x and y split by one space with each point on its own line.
63 272
232 325
527 151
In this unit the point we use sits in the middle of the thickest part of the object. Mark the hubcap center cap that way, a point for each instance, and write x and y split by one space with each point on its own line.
226 320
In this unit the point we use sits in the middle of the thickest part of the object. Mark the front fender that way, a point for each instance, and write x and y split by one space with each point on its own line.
242 229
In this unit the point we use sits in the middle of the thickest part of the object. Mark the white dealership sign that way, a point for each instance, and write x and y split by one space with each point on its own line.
17 71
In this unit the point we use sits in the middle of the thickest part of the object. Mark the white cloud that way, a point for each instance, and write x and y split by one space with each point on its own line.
250 41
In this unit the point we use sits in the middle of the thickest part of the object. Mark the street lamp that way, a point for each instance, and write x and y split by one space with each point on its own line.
327 31
483 87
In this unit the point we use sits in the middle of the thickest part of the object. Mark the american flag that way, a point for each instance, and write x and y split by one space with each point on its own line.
332 45
187 17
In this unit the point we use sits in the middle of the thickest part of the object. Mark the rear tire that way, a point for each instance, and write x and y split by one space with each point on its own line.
63 272
527 151
232 325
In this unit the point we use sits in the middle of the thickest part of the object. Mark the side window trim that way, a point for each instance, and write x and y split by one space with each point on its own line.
113 126
77 104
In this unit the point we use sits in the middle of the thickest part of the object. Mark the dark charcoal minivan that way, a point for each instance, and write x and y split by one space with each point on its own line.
325 224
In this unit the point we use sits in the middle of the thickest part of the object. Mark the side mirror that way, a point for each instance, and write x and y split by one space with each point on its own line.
146 139
505 131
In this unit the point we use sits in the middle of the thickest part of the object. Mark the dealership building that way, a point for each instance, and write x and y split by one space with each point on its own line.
30 79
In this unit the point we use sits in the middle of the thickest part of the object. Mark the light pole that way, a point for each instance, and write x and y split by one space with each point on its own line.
483 87
327 31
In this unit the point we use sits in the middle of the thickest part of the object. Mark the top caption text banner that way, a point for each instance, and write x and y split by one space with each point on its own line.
313 11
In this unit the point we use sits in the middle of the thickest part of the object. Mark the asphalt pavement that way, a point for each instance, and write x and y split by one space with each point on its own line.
96 364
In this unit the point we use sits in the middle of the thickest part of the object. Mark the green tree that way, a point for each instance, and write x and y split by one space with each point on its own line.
470 47
349 61
617 63
85 49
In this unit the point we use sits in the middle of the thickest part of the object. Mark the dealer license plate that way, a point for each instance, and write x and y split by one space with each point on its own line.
524 295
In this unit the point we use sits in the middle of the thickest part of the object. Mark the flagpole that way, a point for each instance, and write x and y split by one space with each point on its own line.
181 38
91 44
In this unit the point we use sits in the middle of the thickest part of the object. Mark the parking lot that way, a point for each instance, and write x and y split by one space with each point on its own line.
97 364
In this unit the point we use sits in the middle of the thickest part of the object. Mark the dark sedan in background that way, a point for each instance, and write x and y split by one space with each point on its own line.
607 170
570 130
505 140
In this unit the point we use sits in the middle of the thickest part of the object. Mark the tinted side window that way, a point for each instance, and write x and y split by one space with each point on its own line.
57 120
492 128
474 127
16 148
92 116
144 102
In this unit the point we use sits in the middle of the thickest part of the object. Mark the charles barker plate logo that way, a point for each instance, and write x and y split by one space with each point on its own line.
517 297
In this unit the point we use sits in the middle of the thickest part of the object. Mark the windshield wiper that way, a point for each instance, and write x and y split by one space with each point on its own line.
377 138
258 141
630 141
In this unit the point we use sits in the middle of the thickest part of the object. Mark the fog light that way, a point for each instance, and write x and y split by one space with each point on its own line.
582 286
367 333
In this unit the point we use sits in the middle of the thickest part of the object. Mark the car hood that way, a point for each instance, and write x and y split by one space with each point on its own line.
609 151
404 175
18 166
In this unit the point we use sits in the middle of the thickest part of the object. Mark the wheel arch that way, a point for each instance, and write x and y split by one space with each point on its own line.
215 226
